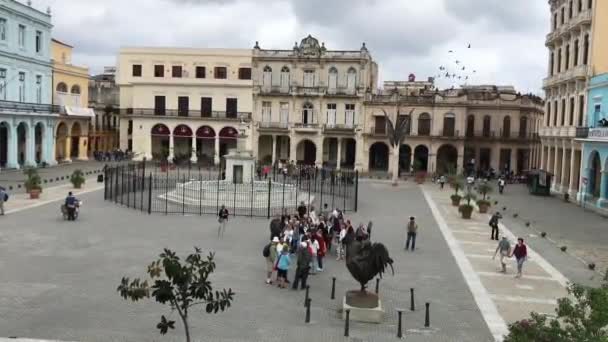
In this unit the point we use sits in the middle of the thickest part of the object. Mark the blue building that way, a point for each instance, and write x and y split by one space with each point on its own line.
594 168
27 117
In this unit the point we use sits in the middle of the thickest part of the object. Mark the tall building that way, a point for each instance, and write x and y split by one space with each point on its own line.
308 103
71 95
475 128
27 118
593 192
184 104
104 99
569 44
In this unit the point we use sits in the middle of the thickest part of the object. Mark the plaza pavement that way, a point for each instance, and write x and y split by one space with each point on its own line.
59 278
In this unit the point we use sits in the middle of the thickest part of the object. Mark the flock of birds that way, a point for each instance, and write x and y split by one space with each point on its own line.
455 70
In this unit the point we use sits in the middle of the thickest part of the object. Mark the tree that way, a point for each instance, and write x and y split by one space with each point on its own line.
581 317
181 285
397 132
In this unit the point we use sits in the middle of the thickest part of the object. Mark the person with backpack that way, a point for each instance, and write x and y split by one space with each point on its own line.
412 231
303 267
282 266
504 247
270 255
3 198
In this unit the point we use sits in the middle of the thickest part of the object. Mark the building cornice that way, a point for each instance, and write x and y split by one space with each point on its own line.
18 57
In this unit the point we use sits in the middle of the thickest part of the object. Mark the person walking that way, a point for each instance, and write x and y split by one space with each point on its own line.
504 247
283 263
494 224
314 249
412 231
3 198
501 185
270 254
303 266
222 219
521 254
441 182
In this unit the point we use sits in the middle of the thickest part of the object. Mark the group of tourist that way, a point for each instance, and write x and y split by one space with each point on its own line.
116 155
303 240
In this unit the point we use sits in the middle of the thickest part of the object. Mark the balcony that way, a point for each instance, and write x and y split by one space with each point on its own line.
598 133
579 72
266 126
301 127
342 91
378 132
191 114
274 90
449 134
308 91
582 132
25 108
339 129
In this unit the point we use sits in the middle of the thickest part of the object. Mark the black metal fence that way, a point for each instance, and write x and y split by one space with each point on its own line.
195 191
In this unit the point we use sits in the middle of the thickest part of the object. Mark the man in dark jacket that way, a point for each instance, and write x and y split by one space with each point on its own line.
302 210
494 224
303 266
70 203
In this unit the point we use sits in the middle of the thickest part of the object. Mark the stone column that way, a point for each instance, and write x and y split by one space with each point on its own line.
411 161
555 170
216 156
339 158
573 175
30 146
542 157
274 149
171 148
49 148
193 154
82 148
319 157
603 201
68 149
564 176
11 160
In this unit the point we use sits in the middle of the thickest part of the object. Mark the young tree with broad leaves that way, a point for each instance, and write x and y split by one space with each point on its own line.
181 285
397 131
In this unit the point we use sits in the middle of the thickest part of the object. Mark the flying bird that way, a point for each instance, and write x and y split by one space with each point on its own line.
451 51
462 68
457 62
469 46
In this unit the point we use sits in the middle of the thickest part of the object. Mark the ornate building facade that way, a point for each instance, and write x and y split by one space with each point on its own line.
104 100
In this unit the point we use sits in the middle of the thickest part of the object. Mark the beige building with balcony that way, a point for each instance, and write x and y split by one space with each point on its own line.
308 104
569 44
71 95
184 104
103 99
476 128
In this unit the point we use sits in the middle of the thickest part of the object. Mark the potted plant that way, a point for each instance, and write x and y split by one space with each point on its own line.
484 204
77 179
467 209
456 184
32 183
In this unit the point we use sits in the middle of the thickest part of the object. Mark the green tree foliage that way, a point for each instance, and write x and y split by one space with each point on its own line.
581 317
181 285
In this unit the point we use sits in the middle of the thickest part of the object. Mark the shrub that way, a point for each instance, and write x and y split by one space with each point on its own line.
33 180
77 178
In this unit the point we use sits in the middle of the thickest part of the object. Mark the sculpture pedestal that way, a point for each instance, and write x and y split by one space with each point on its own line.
364 307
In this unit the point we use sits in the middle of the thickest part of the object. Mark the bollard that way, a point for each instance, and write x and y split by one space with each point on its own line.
346 322
333 287
399 333
427 321
306 298
377 285
412 306
307 311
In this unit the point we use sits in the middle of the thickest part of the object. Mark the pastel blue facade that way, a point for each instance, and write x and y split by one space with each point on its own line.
594 185
27 117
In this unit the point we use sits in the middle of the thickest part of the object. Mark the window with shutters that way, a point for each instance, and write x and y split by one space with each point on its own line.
38 41
183 105
331 115
231 108
380 125
244 73
332 83
349 117
159 105
136 72
285 79
38 89
267 77
21 36
206 107
220 73
307 114
309 78
200 72
159 70
2 84
266 111
284 118
176 71
351 80
21 87
2 29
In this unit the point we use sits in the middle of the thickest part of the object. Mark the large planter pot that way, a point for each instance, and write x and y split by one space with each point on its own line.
77 186
483 207
35 193
456 200
466 211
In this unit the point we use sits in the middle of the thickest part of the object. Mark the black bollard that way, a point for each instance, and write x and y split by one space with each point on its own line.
346 322
306 298
412 306
307 311
399 333
333 287
377 285
427 321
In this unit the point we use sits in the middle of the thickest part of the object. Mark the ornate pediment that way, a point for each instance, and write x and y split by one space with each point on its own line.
309 46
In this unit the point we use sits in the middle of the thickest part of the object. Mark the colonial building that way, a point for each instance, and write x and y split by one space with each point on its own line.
104 100
569 44
71 95
27 119
477 128
308 103
184 104
593 192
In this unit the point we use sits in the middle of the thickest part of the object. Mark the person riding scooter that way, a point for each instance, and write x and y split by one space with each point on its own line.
71 203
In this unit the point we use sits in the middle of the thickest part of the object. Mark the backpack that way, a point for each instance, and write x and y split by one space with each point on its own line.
266 251
5 197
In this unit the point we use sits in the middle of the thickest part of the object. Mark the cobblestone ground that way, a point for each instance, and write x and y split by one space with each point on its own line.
58 279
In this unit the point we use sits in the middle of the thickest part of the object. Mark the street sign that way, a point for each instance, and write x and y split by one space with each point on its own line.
585 180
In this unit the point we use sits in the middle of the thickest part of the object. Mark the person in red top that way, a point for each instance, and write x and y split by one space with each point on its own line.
521 254
322 249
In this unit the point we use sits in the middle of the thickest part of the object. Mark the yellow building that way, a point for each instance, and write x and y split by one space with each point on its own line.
71 93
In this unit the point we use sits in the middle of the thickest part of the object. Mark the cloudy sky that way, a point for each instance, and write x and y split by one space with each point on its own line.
404 36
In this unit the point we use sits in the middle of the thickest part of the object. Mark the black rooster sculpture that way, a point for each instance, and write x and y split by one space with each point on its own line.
365 260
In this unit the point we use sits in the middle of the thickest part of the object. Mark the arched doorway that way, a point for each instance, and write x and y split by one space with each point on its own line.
405 156
75 137
421 158
228 136
595 175
182 143
378 157
61 142
205 145
447 159
4 139
160 142
22 132
306 152
39 142
265 149
330 149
